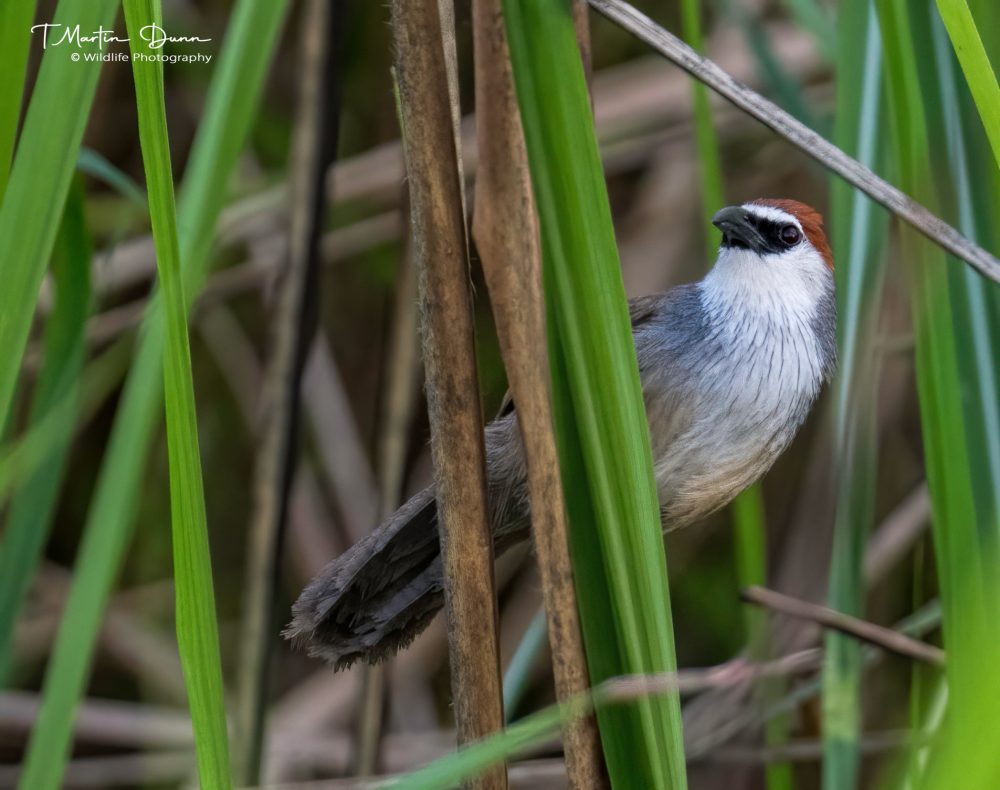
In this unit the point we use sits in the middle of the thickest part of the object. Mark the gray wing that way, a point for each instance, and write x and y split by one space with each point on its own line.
667 343
641 309
668 329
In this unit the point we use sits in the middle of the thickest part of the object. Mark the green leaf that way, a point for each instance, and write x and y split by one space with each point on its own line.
232 100
709 161
965 547
197 629
33 506
858 274
978 343
518 674
976 65
40 176
603 438
16 17
814 18
93 164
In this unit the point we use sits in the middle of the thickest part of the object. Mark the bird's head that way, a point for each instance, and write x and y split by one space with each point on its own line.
774 247
775 231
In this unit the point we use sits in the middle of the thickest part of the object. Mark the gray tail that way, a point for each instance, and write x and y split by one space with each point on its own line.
379 594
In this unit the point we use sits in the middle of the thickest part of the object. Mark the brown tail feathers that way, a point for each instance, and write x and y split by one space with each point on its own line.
377 596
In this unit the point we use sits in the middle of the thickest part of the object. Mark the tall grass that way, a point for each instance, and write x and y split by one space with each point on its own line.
858 273
229 110
965 544
975 63
615 540
33 505
197 631
41 172
15 35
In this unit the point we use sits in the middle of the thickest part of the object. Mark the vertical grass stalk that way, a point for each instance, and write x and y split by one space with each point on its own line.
33 506
859 276
16 17
975 63
197 630
966 558
40 177
232 100
603 438
978 337
506 231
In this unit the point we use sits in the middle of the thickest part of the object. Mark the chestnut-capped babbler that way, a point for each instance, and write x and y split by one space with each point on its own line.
730 367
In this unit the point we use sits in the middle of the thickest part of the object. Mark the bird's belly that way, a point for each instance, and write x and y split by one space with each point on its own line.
739 429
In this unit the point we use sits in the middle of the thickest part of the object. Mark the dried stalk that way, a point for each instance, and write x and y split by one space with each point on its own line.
506 232
800 135
886 638
457 446
294 325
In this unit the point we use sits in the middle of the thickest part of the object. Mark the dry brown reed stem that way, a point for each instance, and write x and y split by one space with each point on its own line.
457 447
800 135
506 232
886 638
295 310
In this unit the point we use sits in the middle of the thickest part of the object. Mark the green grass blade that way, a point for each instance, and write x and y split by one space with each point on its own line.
197 629
859 275
963 747
93 164
471 761
986 14
39 180
16 17
965 556
33 506
975 64
709 161
533 730
23 456
518 674
811 16
232 100
617 547
978 342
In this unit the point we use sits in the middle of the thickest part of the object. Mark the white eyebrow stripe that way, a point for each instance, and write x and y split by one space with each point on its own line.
771 213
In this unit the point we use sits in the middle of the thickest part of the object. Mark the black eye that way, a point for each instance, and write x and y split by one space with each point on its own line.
790 235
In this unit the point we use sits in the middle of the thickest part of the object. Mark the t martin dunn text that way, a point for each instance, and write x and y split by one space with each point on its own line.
154 36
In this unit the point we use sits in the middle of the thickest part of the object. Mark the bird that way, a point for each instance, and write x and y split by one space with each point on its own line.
730 367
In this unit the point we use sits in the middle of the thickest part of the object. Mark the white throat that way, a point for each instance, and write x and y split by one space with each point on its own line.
768 311
789 286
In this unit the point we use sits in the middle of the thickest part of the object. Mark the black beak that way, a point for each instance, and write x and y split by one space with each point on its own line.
738 229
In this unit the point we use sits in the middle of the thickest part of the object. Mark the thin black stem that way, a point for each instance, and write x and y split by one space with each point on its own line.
295 319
